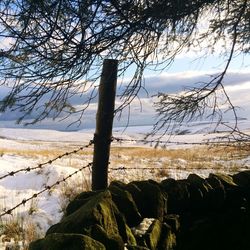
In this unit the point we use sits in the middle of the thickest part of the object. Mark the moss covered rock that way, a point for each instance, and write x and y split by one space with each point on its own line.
201 183
124 231
178 195
99 210
168 238
173 220
211 213
228 230
159 236
235 196
153 235
208 196
242 179
149 198
60 241
79 201
217 194
126 204
110 241
226 180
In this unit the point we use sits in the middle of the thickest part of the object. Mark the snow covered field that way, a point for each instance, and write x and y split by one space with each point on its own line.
130 160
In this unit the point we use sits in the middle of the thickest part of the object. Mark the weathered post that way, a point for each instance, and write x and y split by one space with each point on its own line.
104 124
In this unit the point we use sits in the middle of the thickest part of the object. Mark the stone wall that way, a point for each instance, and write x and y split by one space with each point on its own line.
190 214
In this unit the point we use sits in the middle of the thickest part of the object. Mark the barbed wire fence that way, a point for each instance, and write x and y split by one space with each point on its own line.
47 187
41 165
152 143
164 143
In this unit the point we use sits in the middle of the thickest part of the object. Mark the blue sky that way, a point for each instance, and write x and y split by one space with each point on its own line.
188 68
185 71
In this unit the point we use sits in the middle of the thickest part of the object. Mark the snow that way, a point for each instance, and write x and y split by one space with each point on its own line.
47 208
143 227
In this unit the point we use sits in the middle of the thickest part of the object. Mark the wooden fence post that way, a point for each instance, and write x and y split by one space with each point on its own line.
104 124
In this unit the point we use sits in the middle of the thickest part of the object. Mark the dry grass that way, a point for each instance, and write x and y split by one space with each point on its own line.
41 153
200 153
19 231
199 157
167 161
69 190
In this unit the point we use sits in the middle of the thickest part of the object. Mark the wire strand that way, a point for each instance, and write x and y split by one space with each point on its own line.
40 165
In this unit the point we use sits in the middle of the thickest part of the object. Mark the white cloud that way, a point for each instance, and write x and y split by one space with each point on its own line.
141 111
175 82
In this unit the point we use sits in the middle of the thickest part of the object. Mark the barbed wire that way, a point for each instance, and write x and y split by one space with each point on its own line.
40 165
47 188
137 168
156 142
151 141
159 168
144 141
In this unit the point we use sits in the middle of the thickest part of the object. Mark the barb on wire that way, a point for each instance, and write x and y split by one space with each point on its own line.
40 165
47 188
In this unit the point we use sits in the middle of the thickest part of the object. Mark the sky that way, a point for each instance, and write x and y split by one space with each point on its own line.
186 71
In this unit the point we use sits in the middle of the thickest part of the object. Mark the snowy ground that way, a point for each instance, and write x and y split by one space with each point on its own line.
23 148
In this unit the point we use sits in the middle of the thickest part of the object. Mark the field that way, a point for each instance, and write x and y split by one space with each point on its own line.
130 160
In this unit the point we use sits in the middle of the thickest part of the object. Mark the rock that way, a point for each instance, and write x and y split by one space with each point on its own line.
196 199
235 199
160 237
60 241
140 230
178 195
234 195
112 242
149 198
129 247
242 179
124 231
214 182
196 180
130 237
200 193
118 184
173 220
126 205
79 201
226 180
99 210
228 230
217 194
211 213
152 236
168 239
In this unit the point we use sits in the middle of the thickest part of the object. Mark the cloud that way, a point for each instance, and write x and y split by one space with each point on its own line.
141 110
175 82
240 97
